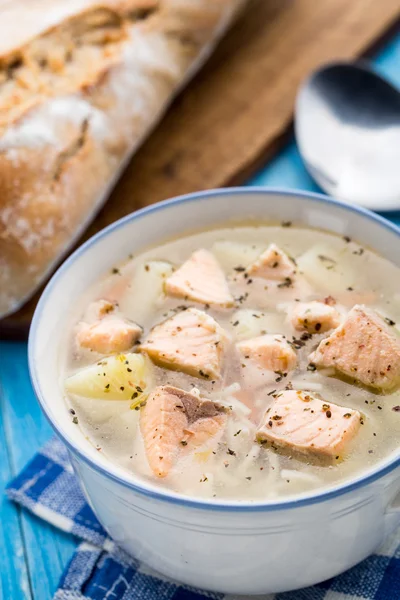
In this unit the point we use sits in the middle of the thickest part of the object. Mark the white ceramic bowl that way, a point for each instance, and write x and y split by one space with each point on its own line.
222 546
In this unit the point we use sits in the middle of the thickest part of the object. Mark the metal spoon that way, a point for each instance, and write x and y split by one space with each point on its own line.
347 125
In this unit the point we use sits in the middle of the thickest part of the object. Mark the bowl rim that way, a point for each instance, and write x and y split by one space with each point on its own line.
166 495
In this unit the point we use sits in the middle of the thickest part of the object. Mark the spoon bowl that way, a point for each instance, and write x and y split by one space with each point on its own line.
347 126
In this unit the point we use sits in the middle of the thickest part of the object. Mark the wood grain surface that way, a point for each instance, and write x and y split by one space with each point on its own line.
235 113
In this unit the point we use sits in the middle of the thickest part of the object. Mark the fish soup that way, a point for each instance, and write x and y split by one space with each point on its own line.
243 363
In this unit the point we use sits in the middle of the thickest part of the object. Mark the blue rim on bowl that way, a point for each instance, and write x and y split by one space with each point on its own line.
164 495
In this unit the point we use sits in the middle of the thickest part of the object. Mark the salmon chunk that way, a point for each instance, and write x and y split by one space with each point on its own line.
313 317
273 264
270 352
173 419
300 421
190 341
364 347
200 279
108 335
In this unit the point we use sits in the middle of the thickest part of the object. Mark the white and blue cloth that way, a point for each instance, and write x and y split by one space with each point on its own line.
99 570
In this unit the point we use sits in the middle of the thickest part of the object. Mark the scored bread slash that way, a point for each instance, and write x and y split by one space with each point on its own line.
273 264
364 347
313 317
190 341
201 279
270 352
306 424
173 420
108 335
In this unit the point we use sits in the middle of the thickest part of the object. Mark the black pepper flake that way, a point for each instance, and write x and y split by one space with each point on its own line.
242 298
249 281
231 452
146 267
139 389
203 479
286 224
359 252
318 326
328 414
239 269
71 410
390 321
205 375
235 323
324 258
396 408
271 393
107 386
311 367
248 478
347 239
305 336
122 388
75 420
129 370
347 415
134 395
286 283
183 443
237 433
115 271
181 307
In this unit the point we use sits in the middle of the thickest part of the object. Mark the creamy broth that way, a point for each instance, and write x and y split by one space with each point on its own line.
329 269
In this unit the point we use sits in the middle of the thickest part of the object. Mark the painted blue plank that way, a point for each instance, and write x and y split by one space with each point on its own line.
387 61
47 551
13 572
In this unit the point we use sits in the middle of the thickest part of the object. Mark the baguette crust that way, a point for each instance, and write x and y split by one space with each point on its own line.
77 96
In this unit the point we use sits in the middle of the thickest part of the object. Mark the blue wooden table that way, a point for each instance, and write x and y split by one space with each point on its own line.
32 553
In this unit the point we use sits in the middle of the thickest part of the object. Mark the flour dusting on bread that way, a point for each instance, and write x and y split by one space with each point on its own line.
81 85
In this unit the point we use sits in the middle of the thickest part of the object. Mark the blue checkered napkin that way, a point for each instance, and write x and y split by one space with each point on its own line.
99 570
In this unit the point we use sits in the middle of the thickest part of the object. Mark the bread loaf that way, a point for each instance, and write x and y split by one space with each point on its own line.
81 84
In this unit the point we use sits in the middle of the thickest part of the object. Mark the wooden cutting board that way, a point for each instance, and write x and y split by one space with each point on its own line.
236 112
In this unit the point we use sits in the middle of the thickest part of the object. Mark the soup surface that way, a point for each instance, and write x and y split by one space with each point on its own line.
244 363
